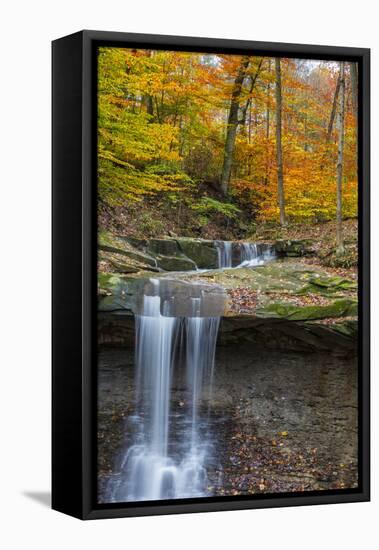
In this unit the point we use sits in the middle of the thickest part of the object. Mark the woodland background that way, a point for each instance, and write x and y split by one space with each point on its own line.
28 481
228 147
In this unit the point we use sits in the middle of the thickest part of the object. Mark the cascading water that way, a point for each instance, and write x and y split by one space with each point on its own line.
249 252
244 254
170 446
253 254
224 251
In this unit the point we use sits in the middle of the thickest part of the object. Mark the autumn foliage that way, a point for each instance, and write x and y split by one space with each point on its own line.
163 121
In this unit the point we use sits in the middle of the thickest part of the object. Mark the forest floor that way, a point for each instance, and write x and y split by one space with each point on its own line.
323 238
158 217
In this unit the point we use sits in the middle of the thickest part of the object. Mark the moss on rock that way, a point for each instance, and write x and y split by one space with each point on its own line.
290 312
202 252
164 247
294 248
175 263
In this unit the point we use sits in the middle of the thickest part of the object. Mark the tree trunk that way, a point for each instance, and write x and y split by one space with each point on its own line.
354 95
231 131
354 87
268 103
279 152
247 105
147 99
334 108
267 122
341 143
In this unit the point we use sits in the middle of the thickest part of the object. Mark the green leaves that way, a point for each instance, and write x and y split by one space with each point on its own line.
207 205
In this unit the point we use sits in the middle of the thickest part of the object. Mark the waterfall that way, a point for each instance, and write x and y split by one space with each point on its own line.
169 442
253 254
224 251
250 254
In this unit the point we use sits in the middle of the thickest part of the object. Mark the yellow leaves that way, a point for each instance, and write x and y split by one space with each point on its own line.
284 434
159 107
310 194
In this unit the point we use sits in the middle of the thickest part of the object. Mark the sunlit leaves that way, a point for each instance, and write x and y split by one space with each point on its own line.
169 110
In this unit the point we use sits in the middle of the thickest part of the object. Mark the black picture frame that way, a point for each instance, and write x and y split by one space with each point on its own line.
74 273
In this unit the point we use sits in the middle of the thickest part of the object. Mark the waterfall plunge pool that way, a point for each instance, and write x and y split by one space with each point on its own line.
181 416
169 448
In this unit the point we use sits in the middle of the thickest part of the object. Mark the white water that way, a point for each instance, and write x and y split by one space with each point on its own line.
253 254
224 251
171 446
250 254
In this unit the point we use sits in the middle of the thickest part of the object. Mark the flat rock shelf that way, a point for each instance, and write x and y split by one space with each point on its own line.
225 368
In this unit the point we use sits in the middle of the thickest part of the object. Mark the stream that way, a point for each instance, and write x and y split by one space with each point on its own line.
182 408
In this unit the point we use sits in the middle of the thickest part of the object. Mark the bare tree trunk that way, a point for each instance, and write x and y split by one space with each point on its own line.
354 95
249 135
231 130
341 143
334 108
354 87
268 103
244 109
279 152
267 121
147 99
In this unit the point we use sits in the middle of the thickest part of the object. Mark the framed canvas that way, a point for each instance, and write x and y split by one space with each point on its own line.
210 275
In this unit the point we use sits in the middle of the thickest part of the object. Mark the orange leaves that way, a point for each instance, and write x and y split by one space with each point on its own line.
170 108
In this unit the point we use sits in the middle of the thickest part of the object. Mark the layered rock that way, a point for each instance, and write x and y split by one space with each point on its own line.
130 255
280 305
294 248
202 252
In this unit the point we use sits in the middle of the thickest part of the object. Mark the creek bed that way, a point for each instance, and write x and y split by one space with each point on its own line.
282 421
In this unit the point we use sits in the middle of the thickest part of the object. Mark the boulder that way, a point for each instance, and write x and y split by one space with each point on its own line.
291 312
175 263
163 247
299 336
294 248
181 299
133 254
134 241
122 267
113 292
202 252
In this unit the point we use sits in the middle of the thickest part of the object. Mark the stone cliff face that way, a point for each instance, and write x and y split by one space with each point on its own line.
280 304
282 421
284 394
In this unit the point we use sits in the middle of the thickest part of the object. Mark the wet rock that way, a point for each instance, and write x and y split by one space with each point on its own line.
294 248
133 254
175 263
339 338
117 328
285 276
338 308
134 241
116 292
202 252
326 284
122 267
182 299
164 247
